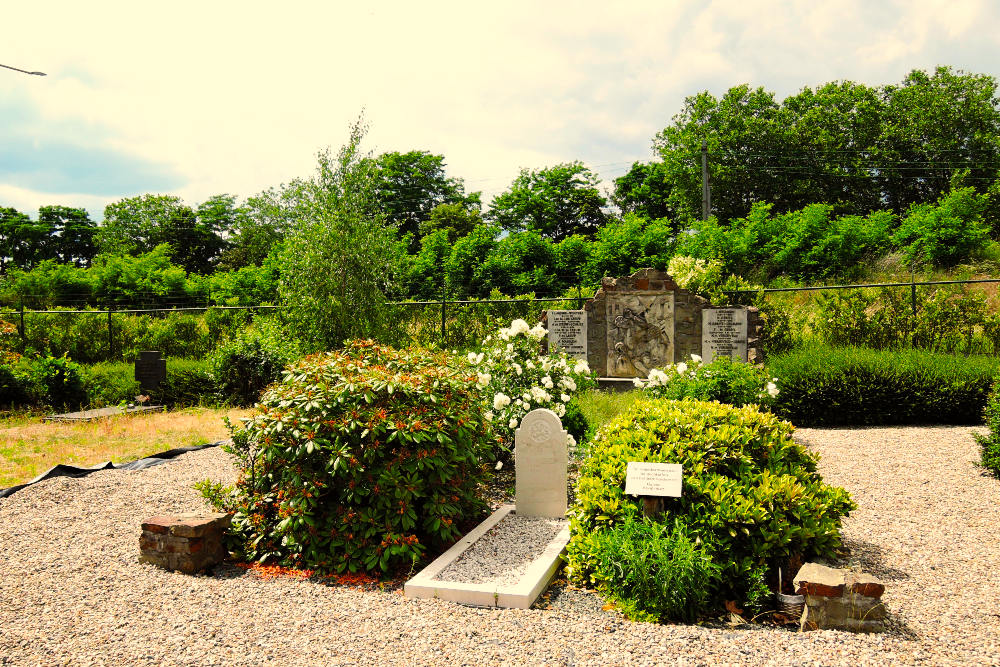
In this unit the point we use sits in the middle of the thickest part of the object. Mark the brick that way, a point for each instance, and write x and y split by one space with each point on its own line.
819 580
866 585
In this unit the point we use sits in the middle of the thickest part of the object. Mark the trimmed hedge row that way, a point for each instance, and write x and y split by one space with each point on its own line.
852 386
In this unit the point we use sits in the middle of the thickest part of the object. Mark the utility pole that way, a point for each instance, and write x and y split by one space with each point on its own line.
706 186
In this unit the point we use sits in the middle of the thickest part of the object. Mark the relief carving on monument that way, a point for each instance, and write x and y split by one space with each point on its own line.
640 330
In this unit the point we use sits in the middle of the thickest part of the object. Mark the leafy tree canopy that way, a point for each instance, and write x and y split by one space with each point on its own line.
555 202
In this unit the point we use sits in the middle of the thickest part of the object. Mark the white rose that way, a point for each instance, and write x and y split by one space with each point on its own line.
547 382
682 367
696 358
530 364
518 369
772 389
500 401
565 398
471 357
489 415
581 367
512 423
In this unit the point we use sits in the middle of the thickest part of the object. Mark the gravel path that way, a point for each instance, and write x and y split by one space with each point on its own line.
72 591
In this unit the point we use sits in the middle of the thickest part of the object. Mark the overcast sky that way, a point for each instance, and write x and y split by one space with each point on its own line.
210 97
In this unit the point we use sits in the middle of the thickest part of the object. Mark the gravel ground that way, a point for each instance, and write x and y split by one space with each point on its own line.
73 592
503 554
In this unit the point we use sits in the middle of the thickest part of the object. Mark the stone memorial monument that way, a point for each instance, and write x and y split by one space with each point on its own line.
647 321
568 332
540 459
724 334
150 370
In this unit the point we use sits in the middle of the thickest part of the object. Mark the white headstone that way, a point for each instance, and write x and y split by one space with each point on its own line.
540 458
724 333
568 332
653 479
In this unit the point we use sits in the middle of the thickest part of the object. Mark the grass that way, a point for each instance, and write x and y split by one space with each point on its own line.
29 447
599 407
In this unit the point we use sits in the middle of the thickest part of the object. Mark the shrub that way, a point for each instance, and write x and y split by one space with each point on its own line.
722 380
244 365
361 459
188 382
990 444
55 381
655 573
517 377
13 389
751 495
822 386
110 383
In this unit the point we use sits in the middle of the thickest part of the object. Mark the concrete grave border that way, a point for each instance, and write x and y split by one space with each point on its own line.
510 596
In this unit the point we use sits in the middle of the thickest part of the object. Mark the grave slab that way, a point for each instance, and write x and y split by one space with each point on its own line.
519 595
540 459
101 413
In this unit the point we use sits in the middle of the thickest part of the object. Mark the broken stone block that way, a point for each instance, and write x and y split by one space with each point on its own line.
190 542
840 599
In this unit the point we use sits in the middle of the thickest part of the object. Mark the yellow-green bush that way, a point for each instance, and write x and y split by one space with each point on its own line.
751 495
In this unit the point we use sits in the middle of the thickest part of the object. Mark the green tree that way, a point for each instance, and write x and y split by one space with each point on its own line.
409 186
139 224
646 190
456 219
19 236
555 202
946 234
258 230
465 267
339 261
72 234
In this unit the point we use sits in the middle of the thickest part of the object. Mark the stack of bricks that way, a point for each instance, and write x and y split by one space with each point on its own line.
186 542
840 599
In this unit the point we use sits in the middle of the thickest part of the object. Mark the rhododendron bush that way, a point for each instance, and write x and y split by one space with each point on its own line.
360 460
517 378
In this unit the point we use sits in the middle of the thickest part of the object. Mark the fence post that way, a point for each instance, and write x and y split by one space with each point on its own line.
24 337
444 303
111 336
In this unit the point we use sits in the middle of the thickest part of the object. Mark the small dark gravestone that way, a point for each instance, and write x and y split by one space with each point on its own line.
150 370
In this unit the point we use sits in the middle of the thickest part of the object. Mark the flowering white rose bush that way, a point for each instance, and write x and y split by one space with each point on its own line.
722 380
516 378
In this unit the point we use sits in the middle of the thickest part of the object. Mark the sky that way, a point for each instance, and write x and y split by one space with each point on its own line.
195 99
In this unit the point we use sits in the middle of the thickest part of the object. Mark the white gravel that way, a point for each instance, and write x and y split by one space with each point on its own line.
72 590
503 554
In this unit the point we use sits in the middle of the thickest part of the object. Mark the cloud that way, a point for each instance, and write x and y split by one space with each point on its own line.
238 97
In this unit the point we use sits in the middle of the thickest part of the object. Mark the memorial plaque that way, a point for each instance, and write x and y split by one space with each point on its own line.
724 333
568 332
540 458
653 479
150 370
640 333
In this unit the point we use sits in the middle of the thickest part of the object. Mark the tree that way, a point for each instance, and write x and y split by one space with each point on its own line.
457 220
555 202
72 234
339 261
16 239
409 186
855 147
139 224
646 191
257 232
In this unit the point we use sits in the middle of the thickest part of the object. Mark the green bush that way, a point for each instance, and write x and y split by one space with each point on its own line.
990 444
822 386
110 383
361 459
751 495
54 381
244 365
655 573
13 389
189 382
722 380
